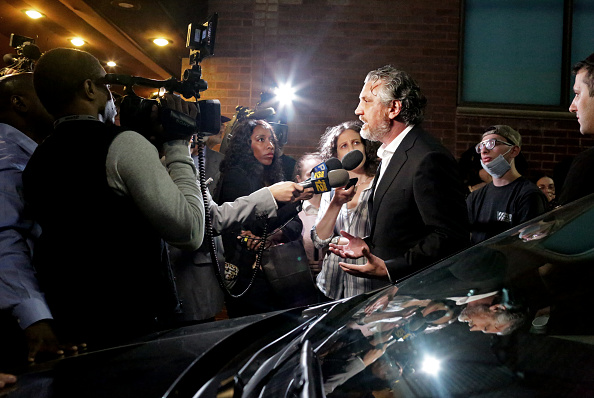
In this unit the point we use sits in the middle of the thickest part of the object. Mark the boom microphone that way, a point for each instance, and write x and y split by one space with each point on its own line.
325 181
351 160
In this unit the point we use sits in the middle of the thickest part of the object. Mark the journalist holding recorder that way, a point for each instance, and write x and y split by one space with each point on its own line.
106 204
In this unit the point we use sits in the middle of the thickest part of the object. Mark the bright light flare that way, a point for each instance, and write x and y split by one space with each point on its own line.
285 94
77 41
111 64
431 366
161 42
34 14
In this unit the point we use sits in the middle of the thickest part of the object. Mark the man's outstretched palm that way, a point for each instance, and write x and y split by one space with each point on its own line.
356 247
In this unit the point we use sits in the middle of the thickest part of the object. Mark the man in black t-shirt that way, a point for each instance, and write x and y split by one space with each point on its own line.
510 199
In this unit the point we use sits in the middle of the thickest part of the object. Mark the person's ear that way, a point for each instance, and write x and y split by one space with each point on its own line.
394 109
515 151
497 308
19 103
90 89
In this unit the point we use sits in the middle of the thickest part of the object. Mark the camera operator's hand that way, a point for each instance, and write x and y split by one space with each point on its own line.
285 191
174 119
175 102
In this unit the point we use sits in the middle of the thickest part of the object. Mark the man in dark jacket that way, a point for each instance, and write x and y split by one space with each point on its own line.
418 213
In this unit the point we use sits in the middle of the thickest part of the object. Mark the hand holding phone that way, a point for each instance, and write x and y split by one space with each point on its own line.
352 181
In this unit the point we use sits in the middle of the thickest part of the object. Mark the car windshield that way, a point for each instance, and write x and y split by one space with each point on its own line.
507 315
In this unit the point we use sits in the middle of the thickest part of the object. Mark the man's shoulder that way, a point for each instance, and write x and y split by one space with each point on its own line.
478 193
419 139
586 157
526 186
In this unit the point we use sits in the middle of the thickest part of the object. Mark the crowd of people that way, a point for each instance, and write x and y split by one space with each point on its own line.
103 245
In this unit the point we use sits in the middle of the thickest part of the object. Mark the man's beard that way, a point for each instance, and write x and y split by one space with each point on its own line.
378 133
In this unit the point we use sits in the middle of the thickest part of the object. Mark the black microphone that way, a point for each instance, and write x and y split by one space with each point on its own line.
351 160
327 180
332 164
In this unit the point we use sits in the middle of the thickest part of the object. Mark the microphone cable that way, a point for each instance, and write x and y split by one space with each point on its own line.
208 233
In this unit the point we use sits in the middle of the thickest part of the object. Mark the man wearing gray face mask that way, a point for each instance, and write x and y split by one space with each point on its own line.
510 199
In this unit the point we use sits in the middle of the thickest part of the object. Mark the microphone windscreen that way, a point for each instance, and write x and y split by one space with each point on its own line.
351 160
31 51
9 59
334 164
338 178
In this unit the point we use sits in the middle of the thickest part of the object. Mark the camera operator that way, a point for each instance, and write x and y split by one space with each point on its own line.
105 204
106 210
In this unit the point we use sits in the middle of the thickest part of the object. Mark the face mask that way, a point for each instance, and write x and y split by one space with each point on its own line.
498 166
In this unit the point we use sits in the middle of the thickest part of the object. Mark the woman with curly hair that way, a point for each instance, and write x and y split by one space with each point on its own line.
344 209
252 161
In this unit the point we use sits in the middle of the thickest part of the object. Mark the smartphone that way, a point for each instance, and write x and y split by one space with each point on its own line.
351 182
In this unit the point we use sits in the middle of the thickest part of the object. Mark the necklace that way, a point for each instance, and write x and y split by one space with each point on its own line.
363 182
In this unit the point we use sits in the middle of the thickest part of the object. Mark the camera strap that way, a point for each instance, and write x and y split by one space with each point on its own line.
73 117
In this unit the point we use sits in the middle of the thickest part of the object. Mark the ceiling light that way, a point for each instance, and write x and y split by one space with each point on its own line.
34 14
161 42
77 41
126 4
111 64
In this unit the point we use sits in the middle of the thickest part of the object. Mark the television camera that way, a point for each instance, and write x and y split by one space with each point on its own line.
27 53
135 111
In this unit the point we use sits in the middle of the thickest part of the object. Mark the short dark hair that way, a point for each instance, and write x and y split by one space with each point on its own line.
14 84
588 65
60 73
330 137
400 86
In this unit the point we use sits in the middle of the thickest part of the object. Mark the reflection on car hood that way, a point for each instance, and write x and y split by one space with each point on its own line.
503 318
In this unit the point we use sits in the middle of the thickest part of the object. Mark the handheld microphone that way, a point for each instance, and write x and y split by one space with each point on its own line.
328 165
331 164
324 181
351 160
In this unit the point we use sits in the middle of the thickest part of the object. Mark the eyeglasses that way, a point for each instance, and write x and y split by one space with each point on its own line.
490 144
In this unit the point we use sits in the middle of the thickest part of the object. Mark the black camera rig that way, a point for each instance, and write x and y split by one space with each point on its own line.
135 111
27 53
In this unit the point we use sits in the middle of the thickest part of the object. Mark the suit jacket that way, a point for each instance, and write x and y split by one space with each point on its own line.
418 211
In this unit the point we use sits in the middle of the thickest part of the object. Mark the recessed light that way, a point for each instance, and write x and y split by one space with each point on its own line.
126 4
111 64
33 14
77 41
161 41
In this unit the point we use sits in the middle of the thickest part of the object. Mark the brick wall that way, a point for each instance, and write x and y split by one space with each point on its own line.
326 47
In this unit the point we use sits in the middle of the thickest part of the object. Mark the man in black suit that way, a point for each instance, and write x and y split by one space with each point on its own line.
418 213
